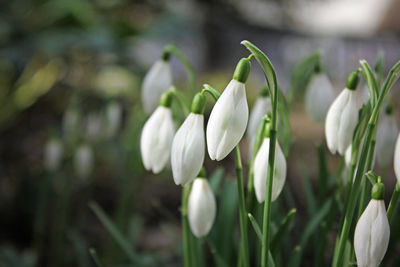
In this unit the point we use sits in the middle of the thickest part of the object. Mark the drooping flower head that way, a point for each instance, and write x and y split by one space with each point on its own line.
157 135
83 161
396 161
157 81
342 117
261 169
202 207
319 96
371 236
188 146
386 136
228 119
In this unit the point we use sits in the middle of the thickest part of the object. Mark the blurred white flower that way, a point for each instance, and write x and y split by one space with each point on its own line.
228 121
156 140
202 207
53 154
260 108
188 146
386 138
341 121
371 236
261 167
156 81
319 96
83 161
113 118
94 125
396 162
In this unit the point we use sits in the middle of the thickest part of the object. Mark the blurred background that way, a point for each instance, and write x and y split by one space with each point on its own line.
71 115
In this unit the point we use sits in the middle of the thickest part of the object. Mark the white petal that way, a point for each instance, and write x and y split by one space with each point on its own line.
380 233
332 121
261 107
362 233
348 122
188 146
347 156
318 98
156 81
396 160
385 139
156 139
201 207
53 153
83 161
260 171
228 121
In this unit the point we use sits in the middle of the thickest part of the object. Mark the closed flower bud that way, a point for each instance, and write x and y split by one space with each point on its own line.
83 161
341 121
157 81
202 207
261 107
156 140
228 121
396 162
319 96
261 167
386 138
53 153
371 236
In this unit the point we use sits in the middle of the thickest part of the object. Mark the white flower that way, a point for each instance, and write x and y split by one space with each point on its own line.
83 161
341 121
53 153
318 98
396 162
156 81
113 118
260 171
385 139
94 125
228 121
188 146
261 107
155 142
201 207
371 236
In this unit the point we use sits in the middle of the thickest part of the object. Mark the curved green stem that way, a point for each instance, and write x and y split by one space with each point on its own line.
393 202
185 62
270 76
242 209
213 92
181 99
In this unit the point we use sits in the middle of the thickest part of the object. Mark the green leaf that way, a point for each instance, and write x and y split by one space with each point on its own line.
216 179
311 203
96 257
283 228
112 229
256 227
266 65
371 81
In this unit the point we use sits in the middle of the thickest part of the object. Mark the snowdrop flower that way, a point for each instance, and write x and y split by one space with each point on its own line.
319 96
261 107
157 135
94 125
157 81
201 207
228 119
261 167
53 153
83 161
188 146
113 118
396 162
371 236
342 117
386 137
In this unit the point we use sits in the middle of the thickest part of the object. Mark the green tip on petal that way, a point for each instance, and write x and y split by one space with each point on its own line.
198 104
242 70
166 99
352 81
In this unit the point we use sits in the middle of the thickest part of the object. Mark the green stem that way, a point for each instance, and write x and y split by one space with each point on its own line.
181 99
393 202
185 227
185 62
242 209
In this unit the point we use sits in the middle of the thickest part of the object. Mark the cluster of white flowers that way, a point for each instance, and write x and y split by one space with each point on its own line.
186 148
